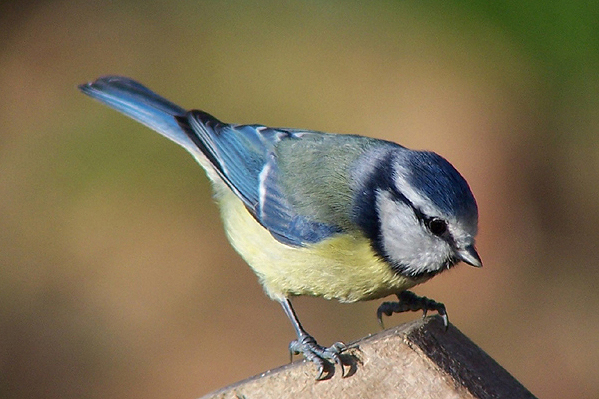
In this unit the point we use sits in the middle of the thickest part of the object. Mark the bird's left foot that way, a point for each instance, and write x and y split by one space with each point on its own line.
320 355
407 300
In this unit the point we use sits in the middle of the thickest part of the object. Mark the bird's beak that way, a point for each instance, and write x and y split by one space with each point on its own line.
470 256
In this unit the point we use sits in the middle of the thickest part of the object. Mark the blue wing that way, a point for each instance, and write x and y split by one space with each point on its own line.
244 157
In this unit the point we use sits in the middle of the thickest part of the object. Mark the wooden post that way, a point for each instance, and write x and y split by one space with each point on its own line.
416 360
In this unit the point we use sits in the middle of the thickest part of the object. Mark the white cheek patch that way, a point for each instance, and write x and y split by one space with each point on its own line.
395 216
405 241
398 225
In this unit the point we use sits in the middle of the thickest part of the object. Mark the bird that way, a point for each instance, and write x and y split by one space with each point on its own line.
337 216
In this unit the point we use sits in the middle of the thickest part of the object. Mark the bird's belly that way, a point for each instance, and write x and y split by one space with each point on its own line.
342 267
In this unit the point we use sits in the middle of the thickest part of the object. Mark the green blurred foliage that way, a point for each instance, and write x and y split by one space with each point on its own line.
116 279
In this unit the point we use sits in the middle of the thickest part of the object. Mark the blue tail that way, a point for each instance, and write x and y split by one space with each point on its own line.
140 103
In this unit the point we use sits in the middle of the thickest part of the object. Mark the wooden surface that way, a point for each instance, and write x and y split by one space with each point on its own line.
413 360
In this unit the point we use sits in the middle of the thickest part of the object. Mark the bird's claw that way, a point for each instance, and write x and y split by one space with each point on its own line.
318 354
408 301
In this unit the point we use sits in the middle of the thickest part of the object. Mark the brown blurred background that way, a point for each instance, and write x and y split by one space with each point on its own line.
116 280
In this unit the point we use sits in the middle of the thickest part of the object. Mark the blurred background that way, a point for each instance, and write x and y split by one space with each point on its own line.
116 279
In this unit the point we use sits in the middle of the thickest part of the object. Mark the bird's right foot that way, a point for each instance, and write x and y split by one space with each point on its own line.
317 354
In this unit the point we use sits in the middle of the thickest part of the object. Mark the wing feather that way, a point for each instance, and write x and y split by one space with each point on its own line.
244 157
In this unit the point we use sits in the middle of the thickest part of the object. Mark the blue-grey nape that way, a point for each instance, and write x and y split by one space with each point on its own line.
379 178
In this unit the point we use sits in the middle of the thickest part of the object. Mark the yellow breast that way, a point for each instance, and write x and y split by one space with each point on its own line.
343 267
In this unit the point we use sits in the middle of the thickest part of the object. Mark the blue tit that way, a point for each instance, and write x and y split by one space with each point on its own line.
329 215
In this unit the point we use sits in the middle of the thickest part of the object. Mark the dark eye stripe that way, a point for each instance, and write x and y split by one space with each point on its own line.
425 220
398 195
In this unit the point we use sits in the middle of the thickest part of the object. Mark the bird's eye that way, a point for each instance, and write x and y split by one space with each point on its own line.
437 226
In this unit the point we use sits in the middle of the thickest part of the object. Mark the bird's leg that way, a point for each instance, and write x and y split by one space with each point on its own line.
307 345
410 301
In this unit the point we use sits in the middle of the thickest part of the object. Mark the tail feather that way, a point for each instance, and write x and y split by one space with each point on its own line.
140 103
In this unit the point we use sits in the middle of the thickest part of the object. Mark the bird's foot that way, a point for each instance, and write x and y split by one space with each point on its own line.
317 354
408 301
